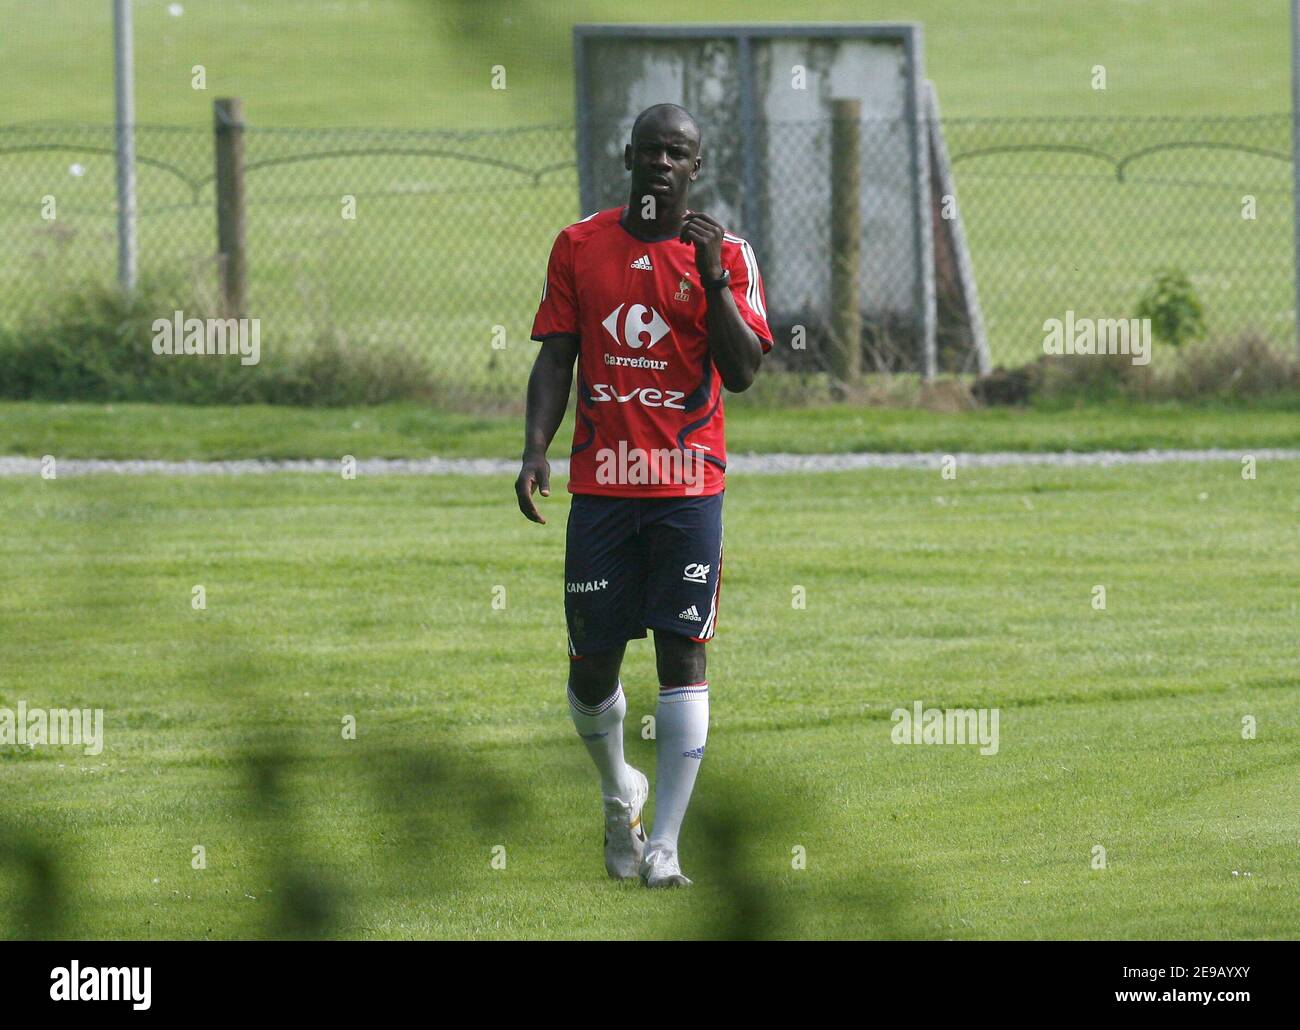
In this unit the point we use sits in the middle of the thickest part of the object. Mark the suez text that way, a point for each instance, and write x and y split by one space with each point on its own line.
650 396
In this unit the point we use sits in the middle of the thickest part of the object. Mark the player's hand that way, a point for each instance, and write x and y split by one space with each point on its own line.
535 475
706 233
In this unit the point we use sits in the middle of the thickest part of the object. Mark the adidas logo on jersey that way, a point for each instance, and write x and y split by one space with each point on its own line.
692 613
643 262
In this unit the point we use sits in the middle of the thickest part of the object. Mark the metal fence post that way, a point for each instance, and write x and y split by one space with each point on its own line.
1295 155
232 270
124 143
846 240
752 161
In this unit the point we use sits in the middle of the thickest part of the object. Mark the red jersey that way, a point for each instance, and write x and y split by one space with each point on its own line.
650 413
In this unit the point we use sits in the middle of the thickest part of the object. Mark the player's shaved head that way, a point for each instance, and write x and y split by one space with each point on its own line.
663 156
670 117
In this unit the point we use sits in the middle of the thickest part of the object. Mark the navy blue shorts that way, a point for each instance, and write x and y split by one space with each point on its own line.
638 563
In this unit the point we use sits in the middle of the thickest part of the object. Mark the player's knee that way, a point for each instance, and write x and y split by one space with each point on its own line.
680 659
594 677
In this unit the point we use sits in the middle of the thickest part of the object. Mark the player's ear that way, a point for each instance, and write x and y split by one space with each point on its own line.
695 169
627 157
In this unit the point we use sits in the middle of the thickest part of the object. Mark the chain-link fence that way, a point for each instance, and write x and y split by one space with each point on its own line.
437 241
1079 214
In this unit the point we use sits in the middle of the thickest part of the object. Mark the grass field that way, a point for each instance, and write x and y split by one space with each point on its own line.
396 63
181 432
373 598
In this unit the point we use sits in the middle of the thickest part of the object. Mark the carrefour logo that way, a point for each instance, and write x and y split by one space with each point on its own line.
642 326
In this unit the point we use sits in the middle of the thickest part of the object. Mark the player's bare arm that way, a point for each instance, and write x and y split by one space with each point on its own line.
734 346
548 395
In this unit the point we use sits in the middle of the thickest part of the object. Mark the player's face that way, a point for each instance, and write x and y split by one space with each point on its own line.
664 160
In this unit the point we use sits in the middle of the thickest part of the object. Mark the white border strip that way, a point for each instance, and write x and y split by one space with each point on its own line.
748 464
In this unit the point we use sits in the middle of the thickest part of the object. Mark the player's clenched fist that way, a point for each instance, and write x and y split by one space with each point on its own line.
706 233
535 475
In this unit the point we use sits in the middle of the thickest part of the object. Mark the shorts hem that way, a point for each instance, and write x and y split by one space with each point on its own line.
679 630
604 644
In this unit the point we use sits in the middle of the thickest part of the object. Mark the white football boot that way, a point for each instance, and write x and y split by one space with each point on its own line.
624 834
659 868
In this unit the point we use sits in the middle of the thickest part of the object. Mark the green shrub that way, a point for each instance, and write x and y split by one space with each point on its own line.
96 344
1009 386
1171 305
1090 377
332 373
1247 365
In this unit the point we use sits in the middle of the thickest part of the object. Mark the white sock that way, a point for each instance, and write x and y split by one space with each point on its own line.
601 729
681 728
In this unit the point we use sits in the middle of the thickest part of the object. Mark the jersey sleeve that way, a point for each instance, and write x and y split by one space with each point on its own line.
747 288
557 314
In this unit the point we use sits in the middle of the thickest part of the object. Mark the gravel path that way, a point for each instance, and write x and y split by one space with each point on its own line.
763 464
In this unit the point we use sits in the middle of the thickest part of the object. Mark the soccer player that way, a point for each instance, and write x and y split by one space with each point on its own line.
661 308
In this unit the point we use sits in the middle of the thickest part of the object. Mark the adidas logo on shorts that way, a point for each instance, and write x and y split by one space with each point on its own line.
643 262
691 613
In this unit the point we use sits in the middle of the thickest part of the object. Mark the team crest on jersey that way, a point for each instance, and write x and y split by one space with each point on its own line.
683 290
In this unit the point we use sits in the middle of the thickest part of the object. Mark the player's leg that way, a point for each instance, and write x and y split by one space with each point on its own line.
681 731
597 707
685 541
604 571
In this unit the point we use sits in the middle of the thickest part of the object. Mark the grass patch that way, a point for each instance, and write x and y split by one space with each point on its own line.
175 431
1119 727
393 62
